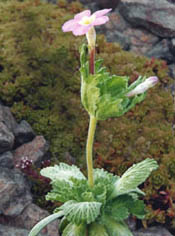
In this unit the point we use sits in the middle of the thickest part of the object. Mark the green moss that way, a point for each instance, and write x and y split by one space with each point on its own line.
40 80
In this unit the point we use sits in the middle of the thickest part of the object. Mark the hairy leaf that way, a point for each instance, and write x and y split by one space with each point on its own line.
138 209
61 191
103 184
38 227
62 172
123 205
79 212
101 174
62 224
118 208
96 229
134 176
75 230
115 228
90 93
64 191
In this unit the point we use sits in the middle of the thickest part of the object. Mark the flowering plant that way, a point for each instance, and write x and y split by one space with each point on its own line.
99 204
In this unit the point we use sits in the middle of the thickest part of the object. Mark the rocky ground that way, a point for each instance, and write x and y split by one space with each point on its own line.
145 27
17 212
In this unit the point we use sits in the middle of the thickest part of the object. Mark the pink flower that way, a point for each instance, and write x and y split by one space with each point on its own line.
84 21
141 88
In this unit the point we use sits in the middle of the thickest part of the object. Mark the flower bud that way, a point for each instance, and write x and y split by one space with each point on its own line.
141 88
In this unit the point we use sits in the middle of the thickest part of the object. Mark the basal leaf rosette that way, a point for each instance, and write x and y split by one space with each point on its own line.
104 95
102 209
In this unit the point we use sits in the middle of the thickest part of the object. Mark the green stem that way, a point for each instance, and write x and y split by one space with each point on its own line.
92 126
89 149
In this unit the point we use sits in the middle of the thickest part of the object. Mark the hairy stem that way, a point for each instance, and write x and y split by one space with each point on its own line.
89 149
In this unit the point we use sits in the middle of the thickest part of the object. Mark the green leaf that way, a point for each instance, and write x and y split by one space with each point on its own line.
103 184
84 69
114 85
138 209
104 95
79 212
123 205
75 230
100 193
118 208
112 90
116 228
62 224
98 66
101 174
96 229
120 213
38 227
90 93
62 172
108 107
77 189
134 176
88 197
61 191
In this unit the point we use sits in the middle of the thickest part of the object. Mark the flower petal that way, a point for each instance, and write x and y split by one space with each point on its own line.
101 20
81 30
69 25
102 12
79 16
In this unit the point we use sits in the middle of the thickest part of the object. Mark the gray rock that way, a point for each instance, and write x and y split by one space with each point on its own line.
6 138
103 3
31 215
114 30
172 46
14 192
172 70
7 118
99 3
161 50
89 4
135 39
131 222
153 231
141 41
156 16
6 230
120 38
116 23
6 160
34 150
23 133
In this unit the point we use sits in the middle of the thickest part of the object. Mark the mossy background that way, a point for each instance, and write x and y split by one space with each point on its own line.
40 81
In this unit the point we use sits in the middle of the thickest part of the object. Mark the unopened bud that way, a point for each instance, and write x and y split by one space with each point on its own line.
141 88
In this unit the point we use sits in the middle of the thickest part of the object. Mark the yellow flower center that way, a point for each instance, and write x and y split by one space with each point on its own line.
87 20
